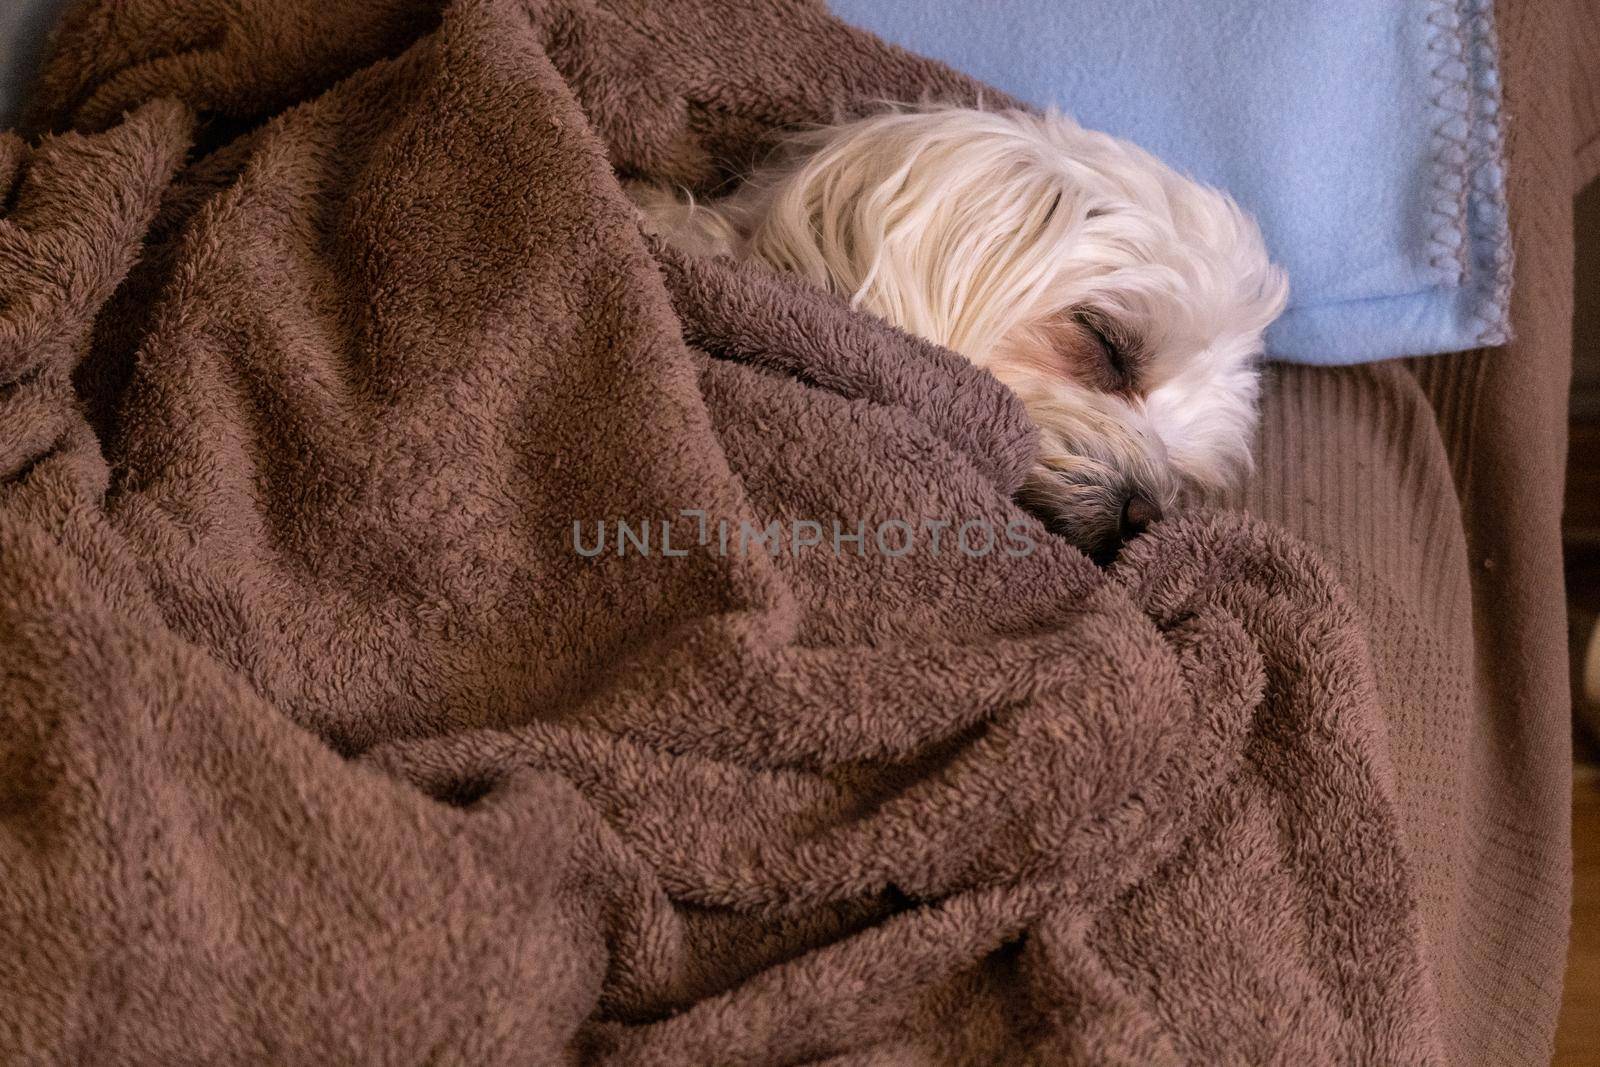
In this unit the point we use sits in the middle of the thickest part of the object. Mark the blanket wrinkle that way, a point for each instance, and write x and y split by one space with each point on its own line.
323 743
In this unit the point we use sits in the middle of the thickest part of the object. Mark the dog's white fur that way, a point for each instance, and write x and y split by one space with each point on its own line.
1123 302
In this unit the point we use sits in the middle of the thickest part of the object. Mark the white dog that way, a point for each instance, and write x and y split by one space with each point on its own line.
1121 301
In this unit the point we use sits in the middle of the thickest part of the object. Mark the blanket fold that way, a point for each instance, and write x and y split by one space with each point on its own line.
327 739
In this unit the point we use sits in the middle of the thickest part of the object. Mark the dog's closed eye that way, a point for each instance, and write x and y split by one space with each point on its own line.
1083 345
1103 356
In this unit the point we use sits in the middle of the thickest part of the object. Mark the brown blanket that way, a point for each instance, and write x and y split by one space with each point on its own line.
324 739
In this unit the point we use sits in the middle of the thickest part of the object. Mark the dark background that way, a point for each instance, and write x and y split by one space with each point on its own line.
1578 1042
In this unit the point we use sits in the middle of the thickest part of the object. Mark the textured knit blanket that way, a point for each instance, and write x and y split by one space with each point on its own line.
438 627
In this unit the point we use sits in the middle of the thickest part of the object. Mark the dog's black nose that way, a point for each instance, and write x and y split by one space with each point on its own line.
1138 512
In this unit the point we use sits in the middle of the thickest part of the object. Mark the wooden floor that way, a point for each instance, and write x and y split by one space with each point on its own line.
1578 1040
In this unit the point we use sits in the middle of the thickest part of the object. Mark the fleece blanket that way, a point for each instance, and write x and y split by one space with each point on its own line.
437 626
1364 135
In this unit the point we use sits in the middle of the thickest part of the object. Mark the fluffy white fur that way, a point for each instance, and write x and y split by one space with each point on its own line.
1123 302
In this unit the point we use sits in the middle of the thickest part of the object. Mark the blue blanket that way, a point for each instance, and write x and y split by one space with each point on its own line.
1364 134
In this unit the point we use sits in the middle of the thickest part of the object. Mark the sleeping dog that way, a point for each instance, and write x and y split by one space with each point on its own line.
1121 301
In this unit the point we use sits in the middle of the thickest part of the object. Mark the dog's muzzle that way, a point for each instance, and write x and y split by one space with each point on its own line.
1098 517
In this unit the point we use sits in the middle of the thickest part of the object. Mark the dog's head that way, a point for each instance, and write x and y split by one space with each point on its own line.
1123 302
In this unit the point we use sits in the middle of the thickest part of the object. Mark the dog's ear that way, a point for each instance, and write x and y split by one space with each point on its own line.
904 215
808 211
